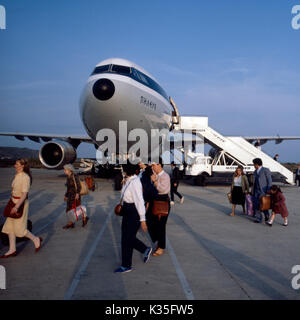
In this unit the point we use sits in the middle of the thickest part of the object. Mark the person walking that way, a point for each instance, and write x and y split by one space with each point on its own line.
161 181
297 177
72 195
278 205
149 194
174 184
19 196
239 189
133 212
262 184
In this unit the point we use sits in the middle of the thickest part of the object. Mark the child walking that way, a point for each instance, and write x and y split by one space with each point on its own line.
278 205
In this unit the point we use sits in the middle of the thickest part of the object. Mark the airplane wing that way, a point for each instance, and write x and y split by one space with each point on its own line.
263 140
74 140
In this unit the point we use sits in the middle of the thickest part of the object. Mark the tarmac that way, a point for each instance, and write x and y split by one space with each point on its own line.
210 255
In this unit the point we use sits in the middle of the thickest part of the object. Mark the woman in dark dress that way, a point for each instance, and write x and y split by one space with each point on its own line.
72 196
239 189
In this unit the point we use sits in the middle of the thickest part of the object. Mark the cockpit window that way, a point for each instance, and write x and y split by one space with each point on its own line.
101 69
132 73
143 78
147 81
120 69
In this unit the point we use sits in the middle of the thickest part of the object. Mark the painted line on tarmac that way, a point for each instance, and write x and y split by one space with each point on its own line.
47 224
185 285
76 279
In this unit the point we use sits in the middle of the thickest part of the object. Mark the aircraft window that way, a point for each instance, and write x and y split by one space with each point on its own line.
120 69
147 81
101 69
143 78
136 75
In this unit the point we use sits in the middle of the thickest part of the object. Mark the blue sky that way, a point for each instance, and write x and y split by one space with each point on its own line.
235 61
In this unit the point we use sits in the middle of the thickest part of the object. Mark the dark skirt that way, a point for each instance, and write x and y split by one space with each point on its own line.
238 196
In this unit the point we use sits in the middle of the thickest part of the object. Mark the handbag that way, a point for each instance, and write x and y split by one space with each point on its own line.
118 210
229 196
77 212
119 207
265 203
84 187
7 210
160 208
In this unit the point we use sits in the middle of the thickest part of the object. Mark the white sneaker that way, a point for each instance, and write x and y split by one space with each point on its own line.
172 203
182 200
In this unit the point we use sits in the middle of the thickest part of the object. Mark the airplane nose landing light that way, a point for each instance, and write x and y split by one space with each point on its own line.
103 89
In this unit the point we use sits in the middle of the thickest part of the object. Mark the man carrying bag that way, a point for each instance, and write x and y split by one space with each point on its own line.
262 184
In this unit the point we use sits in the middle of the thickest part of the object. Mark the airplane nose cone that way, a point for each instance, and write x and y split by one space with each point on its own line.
103 89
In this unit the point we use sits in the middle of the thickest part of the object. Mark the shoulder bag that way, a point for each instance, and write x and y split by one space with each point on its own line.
84 188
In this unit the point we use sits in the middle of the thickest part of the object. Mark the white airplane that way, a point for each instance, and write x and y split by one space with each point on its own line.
116 90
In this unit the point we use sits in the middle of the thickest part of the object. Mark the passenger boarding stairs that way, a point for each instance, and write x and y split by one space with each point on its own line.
235 147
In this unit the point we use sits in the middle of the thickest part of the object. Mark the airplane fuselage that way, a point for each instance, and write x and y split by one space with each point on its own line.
119 90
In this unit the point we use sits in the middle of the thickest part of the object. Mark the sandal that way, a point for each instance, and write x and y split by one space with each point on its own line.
158 252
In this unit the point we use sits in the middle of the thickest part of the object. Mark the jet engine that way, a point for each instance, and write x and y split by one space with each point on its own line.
55 154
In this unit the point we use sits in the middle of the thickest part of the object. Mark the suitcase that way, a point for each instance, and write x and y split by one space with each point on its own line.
265 203
78 214
249 205
4 236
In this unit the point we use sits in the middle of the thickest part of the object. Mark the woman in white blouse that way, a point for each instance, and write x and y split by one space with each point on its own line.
133 212
19 195
239 189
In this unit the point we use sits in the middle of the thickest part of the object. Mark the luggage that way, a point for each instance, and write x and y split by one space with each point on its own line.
249 205
90 182
265 203
4 236
76 213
